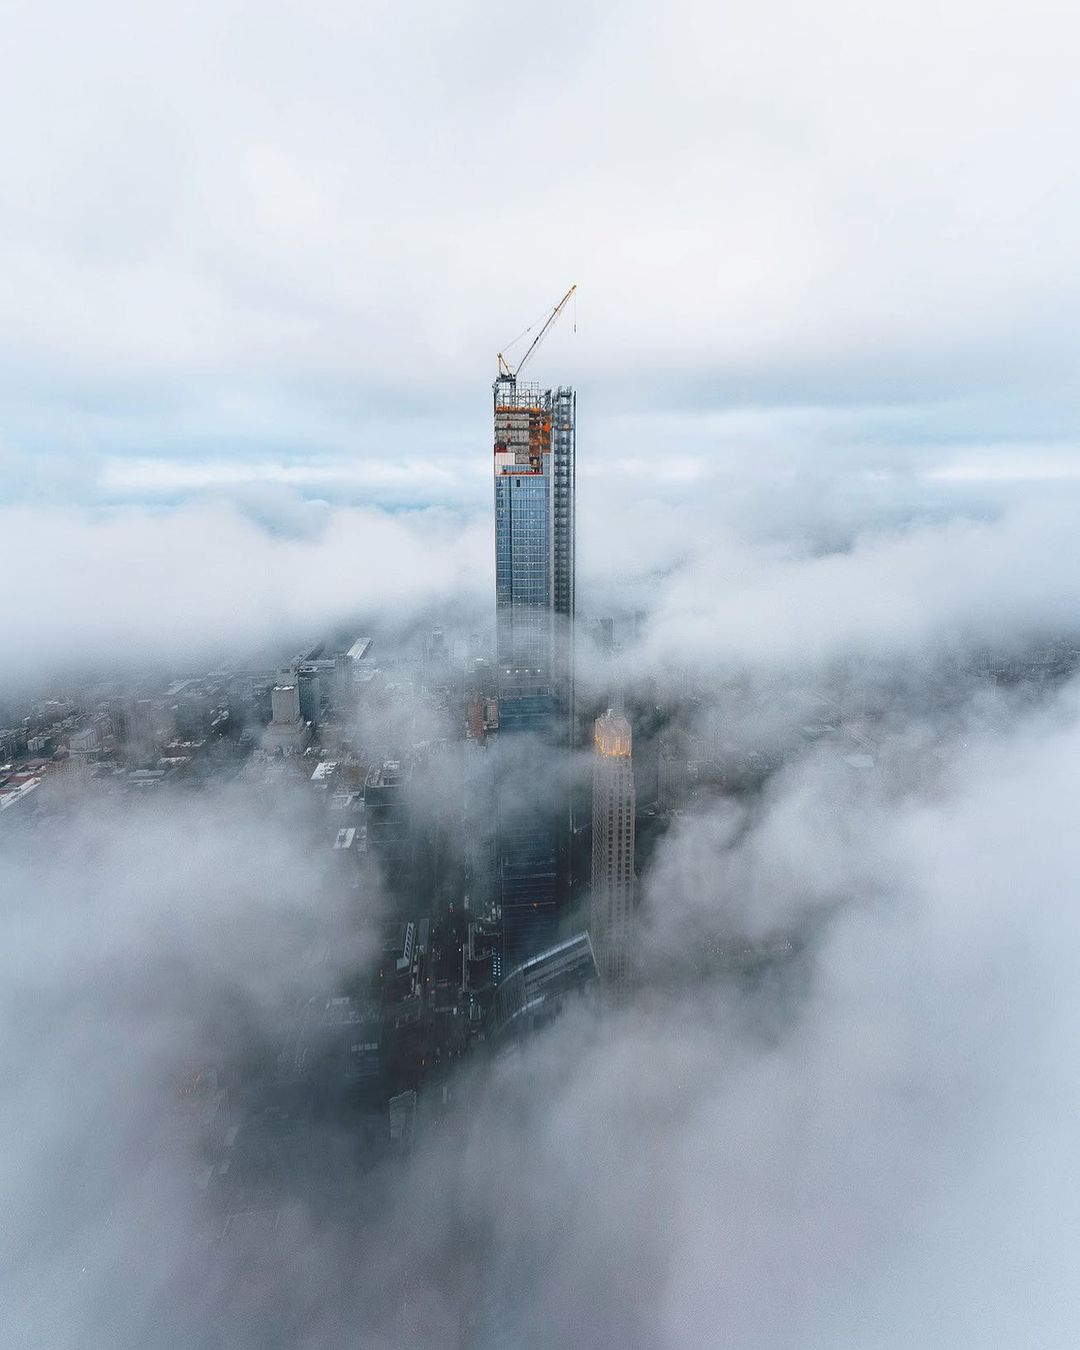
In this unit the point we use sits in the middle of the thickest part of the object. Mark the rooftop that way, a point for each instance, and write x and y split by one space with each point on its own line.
612 736
359 649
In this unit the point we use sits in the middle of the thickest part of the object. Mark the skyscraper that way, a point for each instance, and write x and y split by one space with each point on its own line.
612 914
534 612
534 543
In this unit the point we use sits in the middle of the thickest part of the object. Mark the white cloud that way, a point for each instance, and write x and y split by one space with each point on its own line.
142 584
761 205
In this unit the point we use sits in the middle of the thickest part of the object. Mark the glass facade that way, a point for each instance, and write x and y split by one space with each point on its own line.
534 461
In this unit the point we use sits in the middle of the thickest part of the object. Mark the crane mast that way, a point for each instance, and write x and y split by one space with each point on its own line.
508 372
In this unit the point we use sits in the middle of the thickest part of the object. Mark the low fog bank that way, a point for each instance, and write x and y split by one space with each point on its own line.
837 1110
154 957
839 1113
890 593
185 583
707 582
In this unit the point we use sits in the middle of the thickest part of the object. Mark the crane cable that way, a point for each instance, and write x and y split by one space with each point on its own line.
526 331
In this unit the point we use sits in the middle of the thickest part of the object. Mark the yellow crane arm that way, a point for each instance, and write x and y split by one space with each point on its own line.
505 370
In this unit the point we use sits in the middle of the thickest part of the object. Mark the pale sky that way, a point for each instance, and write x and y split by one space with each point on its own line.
297 234
260 258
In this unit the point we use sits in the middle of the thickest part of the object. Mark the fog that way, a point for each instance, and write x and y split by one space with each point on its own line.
723 584
867 1142
211 577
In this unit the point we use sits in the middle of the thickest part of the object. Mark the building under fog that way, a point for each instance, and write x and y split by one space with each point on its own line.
346 667
390 835
611 920
536 990
310 693
287 730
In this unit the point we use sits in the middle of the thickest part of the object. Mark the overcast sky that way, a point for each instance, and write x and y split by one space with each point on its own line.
256 262
286 241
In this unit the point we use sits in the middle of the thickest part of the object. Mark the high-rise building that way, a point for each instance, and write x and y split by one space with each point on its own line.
287 730
346 667
534 542
534 650
390 833
285 700
612 914
310 693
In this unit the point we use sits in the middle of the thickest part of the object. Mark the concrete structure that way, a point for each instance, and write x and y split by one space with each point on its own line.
285 703
534 470
346 667
322 776
84 741
18 797
611 922
359 649
402 1112
287 730
310 694
390 838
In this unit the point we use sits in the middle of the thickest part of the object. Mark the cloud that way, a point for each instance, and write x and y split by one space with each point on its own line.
774 570
145 945
174 584
864 1139
898 594
786 1162
215 228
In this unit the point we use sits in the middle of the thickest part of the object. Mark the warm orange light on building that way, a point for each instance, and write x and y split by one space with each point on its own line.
613 737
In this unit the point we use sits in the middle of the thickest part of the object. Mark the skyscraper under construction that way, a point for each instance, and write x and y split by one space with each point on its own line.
534 615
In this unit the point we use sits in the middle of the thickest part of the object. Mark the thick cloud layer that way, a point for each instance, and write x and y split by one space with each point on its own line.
183 584
894 593
719 588
867 1142
144 945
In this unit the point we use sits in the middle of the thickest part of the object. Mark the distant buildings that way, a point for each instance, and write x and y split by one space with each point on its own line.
346 669
309 690
18 795
612 912
436 663
84 741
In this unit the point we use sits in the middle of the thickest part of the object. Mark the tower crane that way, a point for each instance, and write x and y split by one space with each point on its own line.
506 371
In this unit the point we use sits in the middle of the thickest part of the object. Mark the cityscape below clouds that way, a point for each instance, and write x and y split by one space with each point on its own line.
540 606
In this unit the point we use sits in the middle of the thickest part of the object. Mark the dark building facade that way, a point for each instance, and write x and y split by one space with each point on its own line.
537 990
390 836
